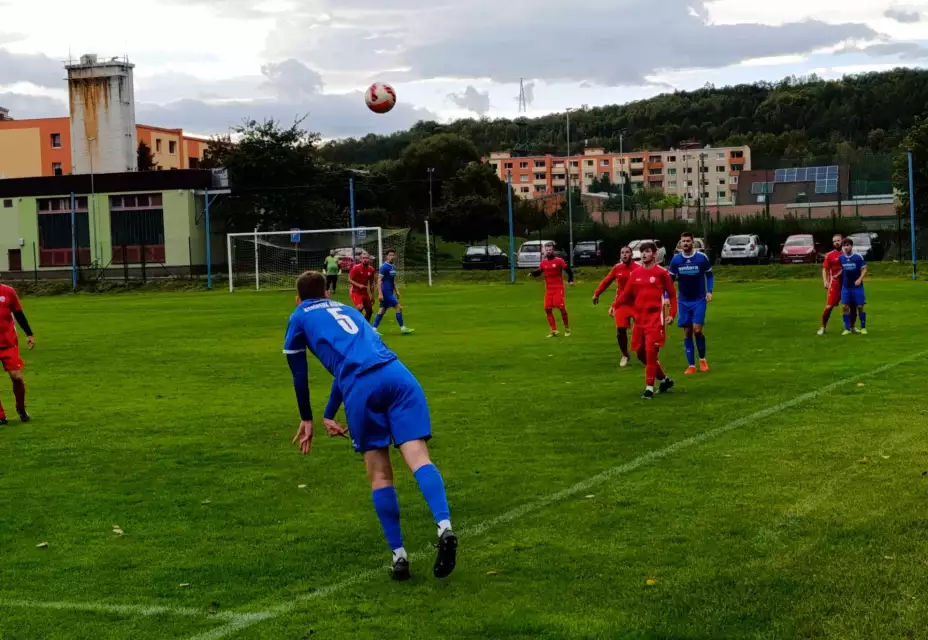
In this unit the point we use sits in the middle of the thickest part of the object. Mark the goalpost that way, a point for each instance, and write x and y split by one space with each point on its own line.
274 259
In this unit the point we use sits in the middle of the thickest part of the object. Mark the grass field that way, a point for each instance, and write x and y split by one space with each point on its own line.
780 496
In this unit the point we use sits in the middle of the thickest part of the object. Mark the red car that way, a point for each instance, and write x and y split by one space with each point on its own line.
799 249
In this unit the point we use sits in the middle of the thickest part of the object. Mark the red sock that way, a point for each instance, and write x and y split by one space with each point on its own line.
825 317
550 314
19 390
564 318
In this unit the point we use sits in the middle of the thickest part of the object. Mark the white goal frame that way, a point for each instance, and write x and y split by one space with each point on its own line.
259 234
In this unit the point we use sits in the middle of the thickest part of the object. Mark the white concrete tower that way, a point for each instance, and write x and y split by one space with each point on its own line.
103 133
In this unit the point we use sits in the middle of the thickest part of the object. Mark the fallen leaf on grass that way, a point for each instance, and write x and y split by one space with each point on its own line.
301 486
492 573
118 531
592 495
42 545
865 461
651 582
207 501
884 457
183 585
860 384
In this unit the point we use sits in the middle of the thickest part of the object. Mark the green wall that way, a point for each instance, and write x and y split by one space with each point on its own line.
182 235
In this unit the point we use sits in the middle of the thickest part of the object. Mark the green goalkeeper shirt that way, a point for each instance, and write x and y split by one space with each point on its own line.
331 266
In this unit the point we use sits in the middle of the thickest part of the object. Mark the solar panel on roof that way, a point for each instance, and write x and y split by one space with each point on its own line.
779 175
833 171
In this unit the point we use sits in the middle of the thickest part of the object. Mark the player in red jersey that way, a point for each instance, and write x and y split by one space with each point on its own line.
623 315
10 309
553 267
649 287
832 277
361 280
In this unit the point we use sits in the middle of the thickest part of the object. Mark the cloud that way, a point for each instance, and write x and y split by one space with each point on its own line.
631 38
6 37
35 68
472 100
23 106
905 50
291 79
903 16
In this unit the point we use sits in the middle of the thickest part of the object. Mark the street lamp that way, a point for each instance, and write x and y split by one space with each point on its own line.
570 203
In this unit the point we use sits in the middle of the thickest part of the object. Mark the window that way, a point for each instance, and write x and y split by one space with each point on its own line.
672 184
494 165
559 164
604 163
589 163
671 158
688 170
720 154
137 225
654 159
737 167
539 176
720 169
737 154
705 194
172 147
539 164
689 183
55 239
723 194
194 163
671 172
539 188
637 173
722 182
588 176
523 178
56 141
7 204
637 160
523 165
559 176
507 165
620 161
525 189
574 163
733 180
703 169
560 189
656 172
158 145
56 169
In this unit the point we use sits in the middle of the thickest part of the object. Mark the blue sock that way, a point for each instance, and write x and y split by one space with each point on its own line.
433 490
388 511
863 319
690 349
377 320
399 319
847 321
701 345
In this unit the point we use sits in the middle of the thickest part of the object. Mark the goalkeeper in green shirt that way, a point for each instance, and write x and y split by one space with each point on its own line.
331 272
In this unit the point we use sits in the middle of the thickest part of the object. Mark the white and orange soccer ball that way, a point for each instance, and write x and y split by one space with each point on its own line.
380 97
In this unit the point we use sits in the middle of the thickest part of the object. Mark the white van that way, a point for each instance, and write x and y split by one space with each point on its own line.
529 256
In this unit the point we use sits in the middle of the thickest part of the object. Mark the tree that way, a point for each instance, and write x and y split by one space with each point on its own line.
916 141
471 219
146 160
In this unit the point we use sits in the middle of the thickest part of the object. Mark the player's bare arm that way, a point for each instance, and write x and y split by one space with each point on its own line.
380 286
826 277
304 436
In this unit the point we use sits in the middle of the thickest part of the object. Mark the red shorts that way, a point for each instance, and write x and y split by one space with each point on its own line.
834 294
554 299
361 299
650 336
9 358
624 316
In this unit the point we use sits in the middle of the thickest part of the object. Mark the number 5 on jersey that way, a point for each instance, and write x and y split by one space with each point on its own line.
344 321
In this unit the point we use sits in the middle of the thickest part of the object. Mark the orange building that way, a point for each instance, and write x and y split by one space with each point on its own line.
42 147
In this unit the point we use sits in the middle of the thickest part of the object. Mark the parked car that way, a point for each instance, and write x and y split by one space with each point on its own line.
484 257
589 252
744 248
636 252
529 255
345 261
868 246
699 244
799 249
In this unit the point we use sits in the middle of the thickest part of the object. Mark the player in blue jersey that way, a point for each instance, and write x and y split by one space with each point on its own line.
384 405
854 270
693 273
389 293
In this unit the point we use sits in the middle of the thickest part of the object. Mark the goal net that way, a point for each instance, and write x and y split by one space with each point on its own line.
274 259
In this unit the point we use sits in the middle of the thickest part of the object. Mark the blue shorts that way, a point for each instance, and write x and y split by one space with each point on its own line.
854 296
389 301
386 405
691 312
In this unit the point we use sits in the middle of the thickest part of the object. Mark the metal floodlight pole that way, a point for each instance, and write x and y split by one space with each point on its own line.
428 236
512 259
570 199
622 171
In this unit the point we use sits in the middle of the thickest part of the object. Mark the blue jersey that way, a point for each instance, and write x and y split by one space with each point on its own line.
851 266
693 275
388 273
341 339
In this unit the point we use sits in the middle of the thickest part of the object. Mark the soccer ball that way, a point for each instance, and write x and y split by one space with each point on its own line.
380 97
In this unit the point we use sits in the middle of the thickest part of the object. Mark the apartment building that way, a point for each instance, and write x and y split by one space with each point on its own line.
710 174
42 147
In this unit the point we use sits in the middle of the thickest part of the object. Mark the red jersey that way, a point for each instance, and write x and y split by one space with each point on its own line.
620 274
647 288
9 302
362 275
553 270
833 266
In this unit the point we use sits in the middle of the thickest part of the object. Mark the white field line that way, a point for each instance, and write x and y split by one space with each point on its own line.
235 622
581 487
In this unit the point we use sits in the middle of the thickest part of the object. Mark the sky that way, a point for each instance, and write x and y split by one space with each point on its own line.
208 65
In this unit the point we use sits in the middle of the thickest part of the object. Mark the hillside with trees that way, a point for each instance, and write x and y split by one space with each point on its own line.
797 120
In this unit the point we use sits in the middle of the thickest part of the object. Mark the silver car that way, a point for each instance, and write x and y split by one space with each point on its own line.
745 249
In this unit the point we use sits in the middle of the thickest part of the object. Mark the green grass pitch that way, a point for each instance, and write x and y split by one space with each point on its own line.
170 415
